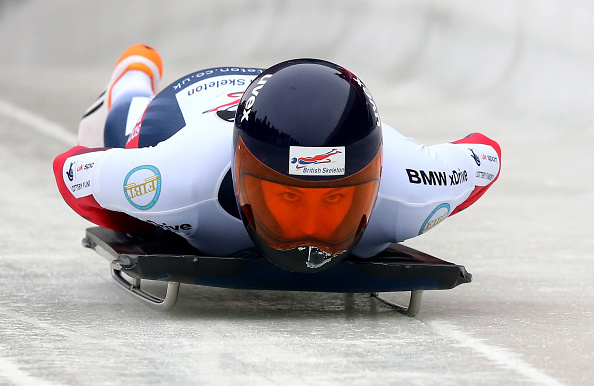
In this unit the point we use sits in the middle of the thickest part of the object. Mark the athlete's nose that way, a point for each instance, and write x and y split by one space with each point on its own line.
310 221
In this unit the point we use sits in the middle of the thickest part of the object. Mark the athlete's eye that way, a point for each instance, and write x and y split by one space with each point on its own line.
289 196
334 198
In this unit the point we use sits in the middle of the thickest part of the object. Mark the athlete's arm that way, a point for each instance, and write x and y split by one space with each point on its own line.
73 171
422 185
456 173
450 176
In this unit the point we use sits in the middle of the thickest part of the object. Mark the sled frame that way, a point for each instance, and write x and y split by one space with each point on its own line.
133 260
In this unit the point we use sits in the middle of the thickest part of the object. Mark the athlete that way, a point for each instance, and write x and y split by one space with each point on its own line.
293 159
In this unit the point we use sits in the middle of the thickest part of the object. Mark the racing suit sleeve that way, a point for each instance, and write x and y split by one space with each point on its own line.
423 185
73 172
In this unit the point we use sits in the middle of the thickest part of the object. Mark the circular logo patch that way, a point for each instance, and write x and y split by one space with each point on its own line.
438 214
142 186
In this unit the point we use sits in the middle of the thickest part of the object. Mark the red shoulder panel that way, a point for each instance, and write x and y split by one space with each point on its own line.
480 139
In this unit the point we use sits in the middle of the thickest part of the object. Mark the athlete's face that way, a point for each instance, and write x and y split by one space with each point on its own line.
307 212
287 213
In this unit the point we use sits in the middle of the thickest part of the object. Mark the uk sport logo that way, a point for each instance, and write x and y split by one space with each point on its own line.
475 157
70 172
317 161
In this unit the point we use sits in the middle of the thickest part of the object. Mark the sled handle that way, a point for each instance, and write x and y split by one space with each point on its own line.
133 288
413 306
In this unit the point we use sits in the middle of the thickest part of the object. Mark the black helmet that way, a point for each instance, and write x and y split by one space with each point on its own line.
307 162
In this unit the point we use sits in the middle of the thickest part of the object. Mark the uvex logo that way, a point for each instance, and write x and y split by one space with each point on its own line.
252 99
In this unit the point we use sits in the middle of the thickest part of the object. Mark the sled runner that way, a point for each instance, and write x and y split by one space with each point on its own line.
170 258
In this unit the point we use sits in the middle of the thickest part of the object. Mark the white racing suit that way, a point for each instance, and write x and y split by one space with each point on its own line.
174 171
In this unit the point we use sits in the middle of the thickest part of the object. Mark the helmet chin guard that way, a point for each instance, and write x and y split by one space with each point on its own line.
305 258
307 163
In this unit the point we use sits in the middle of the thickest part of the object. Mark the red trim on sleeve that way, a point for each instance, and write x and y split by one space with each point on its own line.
480 139
475 195
88 208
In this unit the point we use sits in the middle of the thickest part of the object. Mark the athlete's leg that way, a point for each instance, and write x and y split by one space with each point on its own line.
136 74
128 104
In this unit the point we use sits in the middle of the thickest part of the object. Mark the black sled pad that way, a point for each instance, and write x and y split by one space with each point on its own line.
170 258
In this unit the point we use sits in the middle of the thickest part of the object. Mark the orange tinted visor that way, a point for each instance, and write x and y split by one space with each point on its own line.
287 212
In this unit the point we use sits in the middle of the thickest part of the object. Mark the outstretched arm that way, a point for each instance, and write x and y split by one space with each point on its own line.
73 171
422 185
